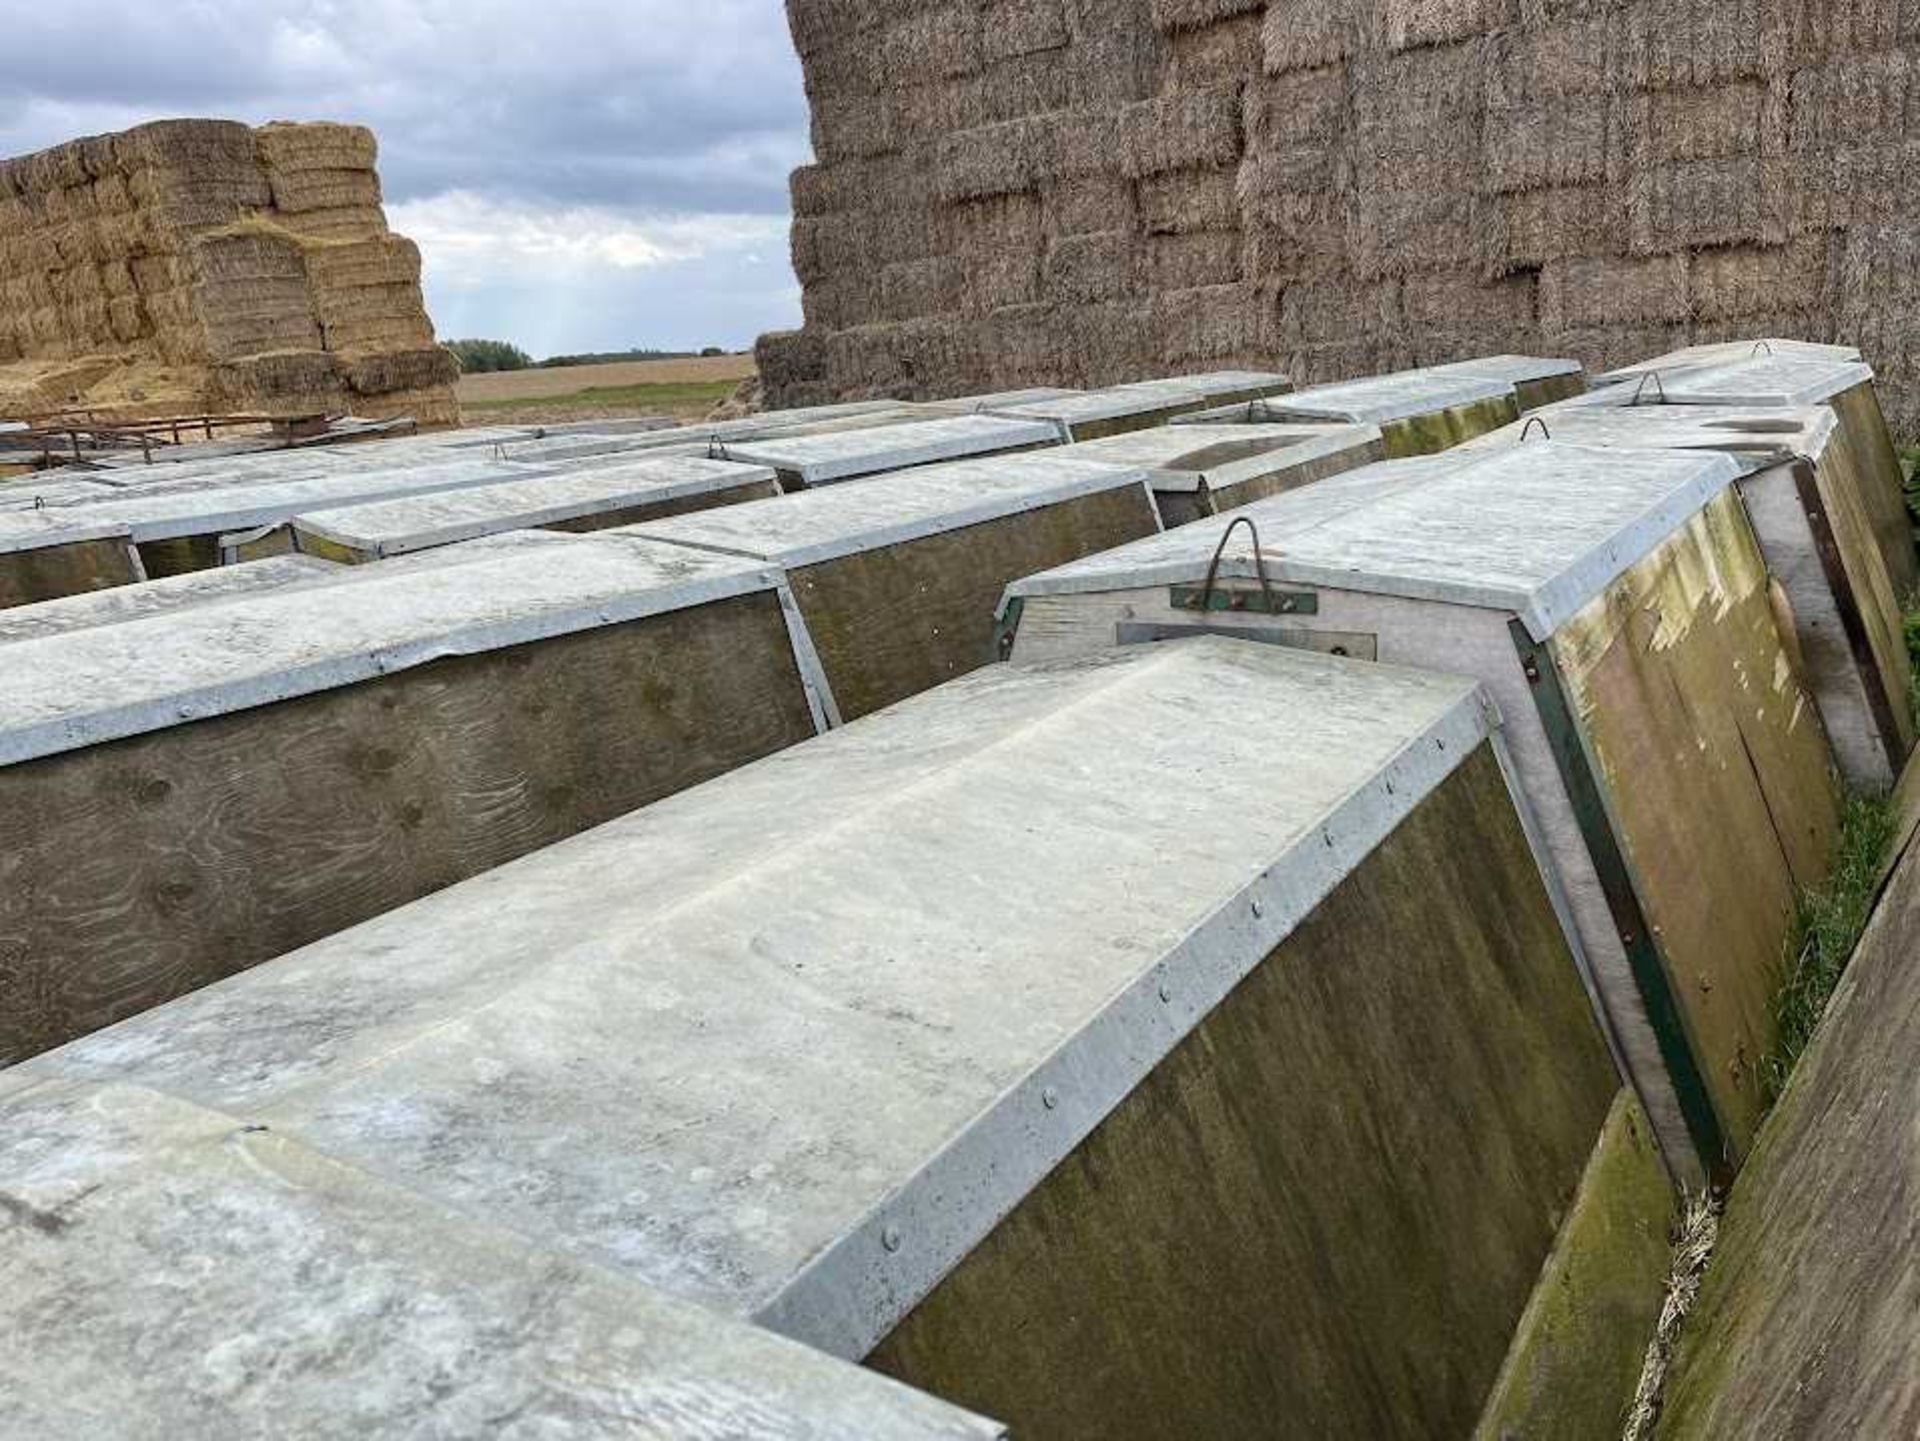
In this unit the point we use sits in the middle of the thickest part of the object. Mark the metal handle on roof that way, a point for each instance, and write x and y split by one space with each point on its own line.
1641 389
1527 429
717 448
1760 345
1208 590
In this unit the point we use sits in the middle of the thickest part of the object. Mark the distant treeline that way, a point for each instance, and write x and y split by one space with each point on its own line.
480 357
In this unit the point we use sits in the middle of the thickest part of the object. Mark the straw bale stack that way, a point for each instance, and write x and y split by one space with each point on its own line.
1450 176
194 265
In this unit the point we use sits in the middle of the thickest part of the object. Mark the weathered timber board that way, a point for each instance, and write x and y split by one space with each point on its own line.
1881 485
1804 1326
1719 780
891 622
1328 1207
145 868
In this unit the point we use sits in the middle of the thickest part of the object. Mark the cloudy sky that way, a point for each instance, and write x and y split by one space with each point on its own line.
580 174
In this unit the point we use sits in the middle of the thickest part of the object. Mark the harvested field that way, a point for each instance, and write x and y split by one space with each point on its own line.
684 389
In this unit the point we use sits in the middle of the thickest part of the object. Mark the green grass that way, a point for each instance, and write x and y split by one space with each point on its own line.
1827 926
666 398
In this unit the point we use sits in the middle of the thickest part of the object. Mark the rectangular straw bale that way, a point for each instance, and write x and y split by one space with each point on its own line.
1695 43
1753 280
1198 57
1853 101
994 160
1306 34
1410 24
1082 269
1528 229
293 147
1010 28
1701 203
392 370
1550 144
299 191
1083 205
937 43
1177 201
1607 291
1567 56
854 128
913 288
1320 312
1208 323
1203 258
1192 130
1173 16
1299 107
1740 118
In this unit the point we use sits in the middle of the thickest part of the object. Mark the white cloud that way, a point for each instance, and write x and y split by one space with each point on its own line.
471 239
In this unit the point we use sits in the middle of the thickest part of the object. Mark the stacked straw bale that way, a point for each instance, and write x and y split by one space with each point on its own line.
193 265
1019 192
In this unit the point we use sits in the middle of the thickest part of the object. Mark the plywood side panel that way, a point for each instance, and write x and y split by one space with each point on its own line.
1326 1211
1719 778
894 622
1444 429
27 576
137 871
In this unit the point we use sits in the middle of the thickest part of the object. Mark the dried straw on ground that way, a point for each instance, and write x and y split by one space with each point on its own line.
195 265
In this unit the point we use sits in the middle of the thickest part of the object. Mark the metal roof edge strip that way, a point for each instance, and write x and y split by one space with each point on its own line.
851 1294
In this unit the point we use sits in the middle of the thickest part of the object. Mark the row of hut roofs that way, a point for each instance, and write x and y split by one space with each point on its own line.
1023 1041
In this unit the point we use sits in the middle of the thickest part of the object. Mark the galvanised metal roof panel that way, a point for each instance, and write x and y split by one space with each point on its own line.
844 455
792 1043
417 522
82 688
821 525
1538 530
154 597
179 1271
1185 457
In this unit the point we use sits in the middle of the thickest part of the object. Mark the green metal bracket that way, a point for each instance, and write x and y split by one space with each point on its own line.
1629 918
1007 627
1248 602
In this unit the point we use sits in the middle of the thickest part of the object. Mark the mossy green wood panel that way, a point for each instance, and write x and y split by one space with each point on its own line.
1232 497
1444 429
1844 528
1546 391
1806 1323
1324 1213
140 870
1718 774
1882 491
28 576
893 622
181 556
1576 1358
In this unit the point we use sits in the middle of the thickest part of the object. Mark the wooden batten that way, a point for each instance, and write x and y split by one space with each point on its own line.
187 793
899 578
1024 1042
1618 606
